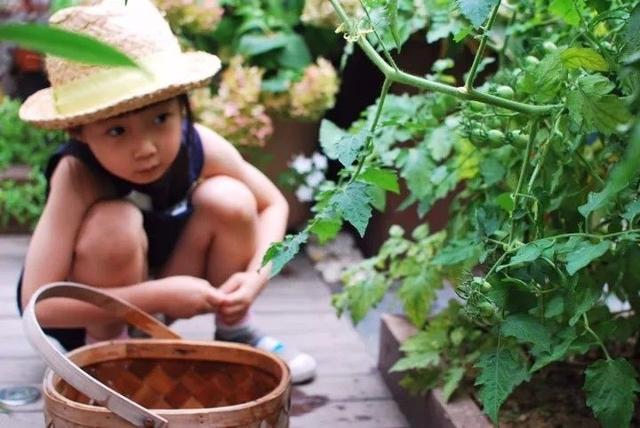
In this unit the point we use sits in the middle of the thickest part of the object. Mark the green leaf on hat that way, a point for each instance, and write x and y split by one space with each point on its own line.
66 44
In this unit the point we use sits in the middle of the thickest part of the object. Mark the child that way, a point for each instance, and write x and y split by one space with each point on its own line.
140 191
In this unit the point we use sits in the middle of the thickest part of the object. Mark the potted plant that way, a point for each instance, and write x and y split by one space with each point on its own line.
541 240
24 151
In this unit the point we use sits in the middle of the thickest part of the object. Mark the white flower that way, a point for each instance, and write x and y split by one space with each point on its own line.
315 178
301 164
319 161
304 194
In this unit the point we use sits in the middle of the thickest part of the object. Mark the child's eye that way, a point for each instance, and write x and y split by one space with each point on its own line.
116 131
161 118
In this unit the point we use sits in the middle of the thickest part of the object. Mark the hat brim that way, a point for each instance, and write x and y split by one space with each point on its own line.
39 109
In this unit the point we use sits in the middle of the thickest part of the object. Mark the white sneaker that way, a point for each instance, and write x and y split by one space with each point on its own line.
302 366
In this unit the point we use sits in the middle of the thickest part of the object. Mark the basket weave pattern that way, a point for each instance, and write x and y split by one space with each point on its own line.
178 384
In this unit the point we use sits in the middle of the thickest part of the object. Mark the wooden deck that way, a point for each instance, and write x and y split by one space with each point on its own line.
348 391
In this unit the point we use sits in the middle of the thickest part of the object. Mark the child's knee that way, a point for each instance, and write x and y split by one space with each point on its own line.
226 200
111 233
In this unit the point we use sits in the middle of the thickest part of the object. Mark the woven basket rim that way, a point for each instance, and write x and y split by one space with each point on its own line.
51 378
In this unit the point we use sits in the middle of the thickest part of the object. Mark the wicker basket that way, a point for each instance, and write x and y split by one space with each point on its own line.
159 382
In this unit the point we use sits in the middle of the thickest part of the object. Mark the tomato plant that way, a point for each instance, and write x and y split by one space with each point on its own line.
545 229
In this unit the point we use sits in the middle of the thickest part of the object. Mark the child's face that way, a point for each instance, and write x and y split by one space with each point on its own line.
139 146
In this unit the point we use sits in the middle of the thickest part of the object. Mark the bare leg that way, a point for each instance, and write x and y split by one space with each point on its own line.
111 251
220 237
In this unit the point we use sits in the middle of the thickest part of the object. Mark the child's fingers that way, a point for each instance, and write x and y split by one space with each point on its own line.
231 284
216 299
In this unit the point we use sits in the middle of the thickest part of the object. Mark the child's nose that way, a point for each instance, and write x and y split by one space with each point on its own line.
145 149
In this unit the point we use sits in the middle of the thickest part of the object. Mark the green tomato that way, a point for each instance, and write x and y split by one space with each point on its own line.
486 285
517 138
532 60
505 91
478 136
477 106
549 46
495 136
486 309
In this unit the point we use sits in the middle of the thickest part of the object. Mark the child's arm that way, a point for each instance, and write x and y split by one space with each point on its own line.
221 158
50 256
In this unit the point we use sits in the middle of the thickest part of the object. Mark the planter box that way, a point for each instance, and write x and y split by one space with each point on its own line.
422 411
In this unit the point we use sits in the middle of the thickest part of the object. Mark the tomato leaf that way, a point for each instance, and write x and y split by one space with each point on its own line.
326 227
586 58
586 254
611 387
588 104
500 372
353 204
452 378
281 253
476 11
631 37
568 10
384 178
622 175
339 144
417 293
527 329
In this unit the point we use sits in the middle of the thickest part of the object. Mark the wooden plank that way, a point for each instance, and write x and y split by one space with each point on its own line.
22 420
358 414
347 388
22 370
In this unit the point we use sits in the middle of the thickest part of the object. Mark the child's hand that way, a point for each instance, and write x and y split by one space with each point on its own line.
240 291
188 296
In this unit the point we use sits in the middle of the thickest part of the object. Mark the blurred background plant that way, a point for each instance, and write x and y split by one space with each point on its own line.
24 151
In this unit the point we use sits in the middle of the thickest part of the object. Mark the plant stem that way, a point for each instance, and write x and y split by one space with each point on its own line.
483 43
369 144
580 234
593 333
543 154
463 93
495 265
589 168
384 48
503 49
523 170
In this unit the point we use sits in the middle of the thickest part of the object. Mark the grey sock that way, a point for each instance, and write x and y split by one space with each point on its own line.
246 334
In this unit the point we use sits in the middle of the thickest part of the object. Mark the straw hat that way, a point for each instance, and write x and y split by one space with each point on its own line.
81 93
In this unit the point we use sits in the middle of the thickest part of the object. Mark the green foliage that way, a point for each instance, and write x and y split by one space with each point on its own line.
500 372
22 144
611 387
544 222
477 11
65 44
283 252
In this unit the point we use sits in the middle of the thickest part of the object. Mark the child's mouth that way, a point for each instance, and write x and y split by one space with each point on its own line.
148 170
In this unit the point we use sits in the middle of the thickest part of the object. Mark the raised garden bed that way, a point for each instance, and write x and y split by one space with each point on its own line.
422 411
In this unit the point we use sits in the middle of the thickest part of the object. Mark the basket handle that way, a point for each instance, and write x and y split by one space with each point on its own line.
78 378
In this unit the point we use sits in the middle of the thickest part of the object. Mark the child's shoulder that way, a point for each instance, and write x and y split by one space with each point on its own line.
219 154
72 177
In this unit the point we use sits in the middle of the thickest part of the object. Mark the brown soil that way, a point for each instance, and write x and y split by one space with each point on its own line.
554 397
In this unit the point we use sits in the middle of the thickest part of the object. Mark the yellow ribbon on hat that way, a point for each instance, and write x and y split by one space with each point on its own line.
109 86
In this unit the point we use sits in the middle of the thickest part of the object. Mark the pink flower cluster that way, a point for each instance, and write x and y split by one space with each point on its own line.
236 112
196 15
310 97
321 13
